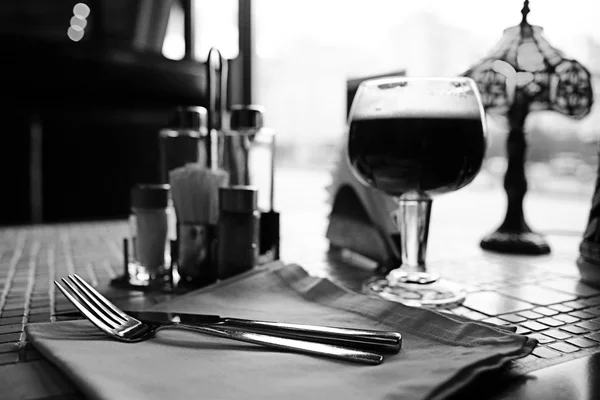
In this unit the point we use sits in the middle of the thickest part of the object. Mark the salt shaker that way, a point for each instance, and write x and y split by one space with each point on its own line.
238 229
152 224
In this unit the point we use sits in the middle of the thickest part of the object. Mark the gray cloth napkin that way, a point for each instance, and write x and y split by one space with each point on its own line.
439 355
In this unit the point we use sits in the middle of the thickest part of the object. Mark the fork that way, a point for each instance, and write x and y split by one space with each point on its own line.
118 325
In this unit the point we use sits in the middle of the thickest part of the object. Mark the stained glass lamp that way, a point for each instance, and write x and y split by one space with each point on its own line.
523 74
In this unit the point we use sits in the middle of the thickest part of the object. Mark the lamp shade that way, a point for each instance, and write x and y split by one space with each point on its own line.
525 61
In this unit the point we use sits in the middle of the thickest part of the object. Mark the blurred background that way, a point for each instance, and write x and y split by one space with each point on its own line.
306 51
86 89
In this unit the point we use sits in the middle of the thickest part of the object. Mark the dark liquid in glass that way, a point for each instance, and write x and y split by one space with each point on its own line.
429 154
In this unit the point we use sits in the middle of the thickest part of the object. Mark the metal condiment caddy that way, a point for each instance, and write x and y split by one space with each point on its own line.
232 142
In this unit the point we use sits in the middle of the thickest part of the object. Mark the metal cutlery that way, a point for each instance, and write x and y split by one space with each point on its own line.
373 340
117 324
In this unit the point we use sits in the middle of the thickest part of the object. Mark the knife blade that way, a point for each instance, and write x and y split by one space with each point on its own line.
386 341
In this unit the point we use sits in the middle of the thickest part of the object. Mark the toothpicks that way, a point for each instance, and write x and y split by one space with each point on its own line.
195 192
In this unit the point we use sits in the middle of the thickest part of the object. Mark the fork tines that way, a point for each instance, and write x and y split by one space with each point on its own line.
92 304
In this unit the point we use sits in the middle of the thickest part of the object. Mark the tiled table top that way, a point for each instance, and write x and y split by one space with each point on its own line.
32 257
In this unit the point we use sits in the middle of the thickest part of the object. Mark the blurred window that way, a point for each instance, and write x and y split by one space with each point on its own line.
305 51
216 25
174 43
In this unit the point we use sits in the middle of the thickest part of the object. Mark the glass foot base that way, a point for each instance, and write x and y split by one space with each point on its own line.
437 294
528 243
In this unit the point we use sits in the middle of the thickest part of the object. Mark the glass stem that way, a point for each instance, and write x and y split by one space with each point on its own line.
412 217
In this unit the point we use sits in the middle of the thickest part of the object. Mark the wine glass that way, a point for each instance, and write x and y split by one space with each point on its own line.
414 138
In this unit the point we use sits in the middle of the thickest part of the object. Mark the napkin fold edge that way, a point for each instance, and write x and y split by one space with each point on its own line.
485 365
79 382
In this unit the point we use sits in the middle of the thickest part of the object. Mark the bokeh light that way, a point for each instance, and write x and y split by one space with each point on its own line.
80 22
75 35
81 10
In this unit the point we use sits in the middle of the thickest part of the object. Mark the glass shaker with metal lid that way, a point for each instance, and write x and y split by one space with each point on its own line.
247 152
152 228
184 140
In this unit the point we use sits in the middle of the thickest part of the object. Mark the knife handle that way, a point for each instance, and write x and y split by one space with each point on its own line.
282 343
385 341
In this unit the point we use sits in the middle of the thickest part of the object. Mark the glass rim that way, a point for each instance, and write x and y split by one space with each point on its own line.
396 79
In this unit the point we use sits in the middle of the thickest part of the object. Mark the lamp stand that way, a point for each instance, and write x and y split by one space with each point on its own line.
514 236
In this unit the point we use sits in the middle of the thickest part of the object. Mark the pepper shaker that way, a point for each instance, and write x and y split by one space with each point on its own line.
247 152
238 230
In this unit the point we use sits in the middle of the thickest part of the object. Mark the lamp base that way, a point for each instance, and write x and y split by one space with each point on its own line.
527 243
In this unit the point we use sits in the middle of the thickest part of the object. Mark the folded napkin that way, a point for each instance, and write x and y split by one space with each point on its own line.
439 354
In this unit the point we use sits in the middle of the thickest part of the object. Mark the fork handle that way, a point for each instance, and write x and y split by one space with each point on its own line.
386 341
275 342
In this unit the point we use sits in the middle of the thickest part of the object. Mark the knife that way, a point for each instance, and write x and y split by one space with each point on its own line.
387 341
